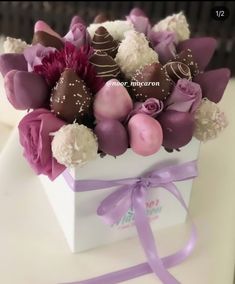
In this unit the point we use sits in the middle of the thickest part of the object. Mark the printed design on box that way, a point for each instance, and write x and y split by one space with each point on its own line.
153 207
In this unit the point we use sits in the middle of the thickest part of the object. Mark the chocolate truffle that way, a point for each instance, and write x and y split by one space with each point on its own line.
151 81
186 57
106 68
70 98
177 70
100 18
103 41
47 40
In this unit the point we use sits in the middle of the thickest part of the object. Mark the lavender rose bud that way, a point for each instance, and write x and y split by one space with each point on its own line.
35 136
137 12
151 107
185 97
76 20
164 43
78 35
141 24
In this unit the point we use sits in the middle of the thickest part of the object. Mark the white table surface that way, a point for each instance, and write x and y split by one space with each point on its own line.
33 249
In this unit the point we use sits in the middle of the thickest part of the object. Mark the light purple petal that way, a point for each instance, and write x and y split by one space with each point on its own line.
76 20
35 53
213 83
141 24
158 37
151 107
78 36
137 12
185 97
164 43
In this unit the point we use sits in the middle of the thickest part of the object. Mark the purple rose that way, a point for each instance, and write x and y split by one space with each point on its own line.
35 53
34 130
141 24
185 97
76 20
139 20
151 107
78 35
137 12
164 43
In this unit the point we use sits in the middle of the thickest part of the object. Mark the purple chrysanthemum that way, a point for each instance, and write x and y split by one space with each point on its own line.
56 62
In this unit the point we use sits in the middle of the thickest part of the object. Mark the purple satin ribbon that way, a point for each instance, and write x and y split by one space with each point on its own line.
132 194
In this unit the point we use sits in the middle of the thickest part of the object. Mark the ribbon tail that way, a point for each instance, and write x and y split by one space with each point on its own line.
144 268
182 254
118 276
147 239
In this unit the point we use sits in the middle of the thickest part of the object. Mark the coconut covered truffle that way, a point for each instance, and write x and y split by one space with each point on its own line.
14 45
74 145
115 28
209 121
176 23
134 52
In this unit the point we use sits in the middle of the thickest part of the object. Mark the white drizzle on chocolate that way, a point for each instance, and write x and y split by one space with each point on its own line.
186 57
103 41
177 70
105 66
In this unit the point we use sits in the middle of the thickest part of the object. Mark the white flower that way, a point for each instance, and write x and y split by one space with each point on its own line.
209 121
14 45
176 23
74 145
115 28
134 52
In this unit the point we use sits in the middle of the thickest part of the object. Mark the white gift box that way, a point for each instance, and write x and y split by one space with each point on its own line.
76 211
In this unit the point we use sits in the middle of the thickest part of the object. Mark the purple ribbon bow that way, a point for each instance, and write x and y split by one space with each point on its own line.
132 194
